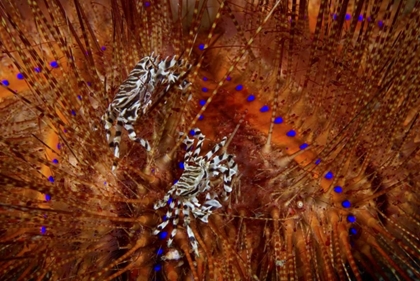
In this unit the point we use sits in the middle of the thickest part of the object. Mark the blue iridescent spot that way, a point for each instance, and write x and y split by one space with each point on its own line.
47 197
239 87
43 230
204 89
89 84
317 161
157 267
250 98
228 78
159 251
5 82
201 117
103 48
104 182
338 189
348 17
20 76
37 69
147 4
265 108
192 132
181 165
329 175
346 204
360 18
334 16
205 78
170 200
175 181
55 161
278 120
51 179
54 64
351 218
73 112
58 146
291 133
163 235
79 97
201 47
303 146
65 130
164 218
352 231
380 24
202 102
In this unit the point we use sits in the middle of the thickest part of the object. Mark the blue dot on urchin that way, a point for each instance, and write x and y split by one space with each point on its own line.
303 146
163 235
360 18
202 102
201 47
20 76
157 267
181 165
47 197
278 120
348 17
170 200
351 218
346 204
338 189
205 78
228 78
37 69
55 161
43 230
103 48
54 64
329 175
204 89
352 231
291 133
239 87
79 97
73 112
5 82
317 161
265 108
51 179
250 98
159 252
201 117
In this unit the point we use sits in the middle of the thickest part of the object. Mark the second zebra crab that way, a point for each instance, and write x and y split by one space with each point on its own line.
199 177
